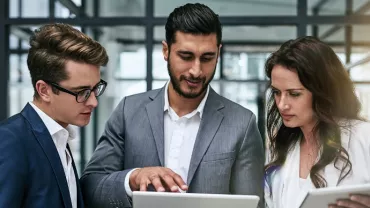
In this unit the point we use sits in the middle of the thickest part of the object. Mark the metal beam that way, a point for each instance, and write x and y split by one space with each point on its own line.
4 59
149 13
69 4
362 10
319 4
230 21
302 14
21 33
364 60
247 43
348 32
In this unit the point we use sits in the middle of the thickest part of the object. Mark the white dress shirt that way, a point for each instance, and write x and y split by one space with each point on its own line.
179 138
60 137
284 188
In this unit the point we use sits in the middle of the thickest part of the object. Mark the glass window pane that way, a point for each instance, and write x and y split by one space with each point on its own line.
61 11
35 8
124 8
132 62
14 8
336 7
13 41
258 33
242 93
159 64
361 72
158 84
244 65
232 8
127 60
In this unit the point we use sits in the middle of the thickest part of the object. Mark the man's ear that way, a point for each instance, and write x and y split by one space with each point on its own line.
44 90
219 51
165 50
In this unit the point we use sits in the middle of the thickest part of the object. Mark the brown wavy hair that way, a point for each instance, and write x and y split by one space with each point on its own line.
53 44
333 97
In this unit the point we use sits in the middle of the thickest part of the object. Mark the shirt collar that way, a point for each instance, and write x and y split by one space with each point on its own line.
52 126
200 107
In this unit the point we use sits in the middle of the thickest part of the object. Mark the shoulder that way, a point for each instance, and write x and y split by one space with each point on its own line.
231 108
12 135
144 97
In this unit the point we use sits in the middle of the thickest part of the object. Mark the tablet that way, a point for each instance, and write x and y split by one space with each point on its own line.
192 200
324 196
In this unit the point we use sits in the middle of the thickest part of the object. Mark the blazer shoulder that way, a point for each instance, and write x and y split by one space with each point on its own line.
234 109
12 133
15 123
144 96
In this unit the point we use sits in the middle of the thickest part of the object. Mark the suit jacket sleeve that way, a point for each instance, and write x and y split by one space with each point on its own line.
103 179
247 173
13 166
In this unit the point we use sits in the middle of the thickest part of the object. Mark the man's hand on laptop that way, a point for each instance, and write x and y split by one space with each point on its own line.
355 201
163 179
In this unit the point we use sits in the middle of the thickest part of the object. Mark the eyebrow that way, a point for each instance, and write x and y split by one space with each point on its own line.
83 87
287 89
191 53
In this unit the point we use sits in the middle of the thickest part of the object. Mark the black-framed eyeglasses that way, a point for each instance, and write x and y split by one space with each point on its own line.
83 95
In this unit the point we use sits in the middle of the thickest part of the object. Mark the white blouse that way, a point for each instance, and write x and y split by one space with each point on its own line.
285 189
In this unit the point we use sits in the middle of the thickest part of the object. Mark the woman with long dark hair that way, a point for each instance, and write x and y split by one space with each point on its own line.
316 136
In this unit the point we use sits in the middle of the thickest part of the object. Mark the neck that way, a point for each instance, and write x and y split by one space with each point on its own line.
310 137
44 107
180 104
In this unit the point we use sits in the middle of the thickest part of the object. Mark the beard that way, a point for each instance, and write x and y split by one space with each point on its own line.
176 82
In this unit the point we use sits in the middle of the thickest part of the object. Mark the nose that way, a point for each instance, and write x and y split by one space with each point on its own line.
283 103
92 100
196 69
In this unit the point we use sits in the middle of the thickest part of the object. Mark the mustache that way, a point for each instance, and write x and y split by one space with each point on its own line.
193 79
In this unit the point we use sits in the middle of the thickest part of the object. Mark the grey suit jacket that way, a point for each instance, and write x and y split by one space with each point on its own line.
228 155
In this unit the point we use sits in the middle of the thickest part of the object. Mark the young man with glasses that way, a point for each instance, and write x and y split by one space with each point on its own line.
37 168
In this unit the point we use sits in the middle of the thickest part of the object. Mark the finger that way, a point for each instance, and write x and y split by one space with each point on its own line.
349 204
156 181
179 181
361 199
334 206
169 182
144 184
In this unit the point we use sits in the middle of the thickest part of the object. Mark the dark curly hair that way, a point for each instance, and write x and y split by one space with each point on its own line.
333 98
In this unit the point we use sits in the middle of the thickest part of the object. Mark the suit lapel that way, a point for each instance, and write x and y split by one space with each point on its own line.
155 115
46 142
209 125
80 203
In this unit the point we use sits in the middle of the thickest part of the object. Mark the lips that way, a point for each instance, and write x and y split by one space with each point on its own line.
86 114
286 116
193 83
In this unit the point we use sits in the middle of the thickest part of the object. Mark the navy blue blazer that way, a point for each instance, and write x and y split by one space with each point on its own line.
31 172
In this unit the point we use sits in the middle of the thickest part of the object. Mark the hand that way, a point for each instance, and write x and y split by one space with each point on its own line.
163 179
355 201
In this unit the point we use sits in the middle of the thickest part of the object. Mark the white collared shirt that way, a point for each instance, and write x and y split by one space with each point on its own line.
60 137
179 138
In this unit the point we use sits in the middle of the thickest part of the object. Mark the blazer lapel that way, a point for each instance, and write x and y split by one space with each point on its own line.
46 142
210 122
155 115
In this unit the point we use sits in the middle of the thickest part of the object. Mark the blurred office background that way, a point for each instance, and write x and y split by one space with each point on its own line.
132 31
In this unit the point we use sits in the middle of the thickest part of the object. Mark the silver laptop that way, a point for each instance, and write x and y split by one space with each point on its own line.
191 200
